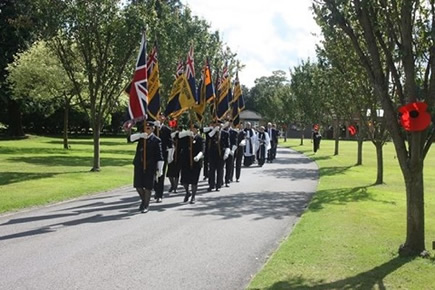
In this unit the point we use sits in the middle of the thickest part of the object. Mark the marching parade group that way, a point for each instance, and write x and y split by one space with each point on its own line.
179 154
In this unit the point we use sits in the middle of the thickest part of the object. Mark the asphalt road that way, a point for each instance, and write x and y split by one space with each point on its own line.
102 241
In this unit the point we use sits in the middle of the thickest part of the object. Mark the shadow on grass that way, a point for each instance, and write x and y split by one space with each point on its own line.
90 142
21 151
371 279
71 161
340 196
328 171
14 177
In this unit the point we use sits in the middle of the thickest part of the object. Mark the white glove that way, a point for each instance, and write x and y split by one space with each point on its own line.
233 150
226 124
160 168
215 129
157 123
198 156
170 155
206 129
227 153
242 143
173 134
137 136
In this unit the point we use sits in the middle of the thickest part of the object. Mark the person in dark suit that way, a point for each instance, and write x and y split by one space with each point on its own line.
316 138
148 163
218 150
164 133
273 136
229 163
192 153
174 165
238 154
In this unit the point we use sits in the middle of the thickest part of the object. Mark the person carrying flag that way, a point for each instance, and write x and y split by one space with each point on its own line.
148 162
191 155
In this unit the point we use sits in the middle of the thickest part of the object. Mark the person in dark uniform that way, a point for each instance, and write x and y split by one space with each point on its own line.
174 165
206 130
148 165
217 151
263 145
239 152
229 163
191 155
316 138
164 133
273 136
275 141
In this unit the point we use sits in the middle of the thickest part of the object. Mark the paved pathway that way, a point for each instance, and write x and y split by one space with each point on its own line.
102 242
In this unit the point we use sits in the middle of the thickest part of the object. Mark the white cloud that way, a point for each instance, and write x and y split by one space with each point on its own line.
267 36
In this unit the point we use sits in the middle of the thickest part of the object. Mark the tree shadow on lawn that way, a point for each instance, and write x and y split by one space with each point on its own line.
371 279
341 196
90 142
71 161
15 177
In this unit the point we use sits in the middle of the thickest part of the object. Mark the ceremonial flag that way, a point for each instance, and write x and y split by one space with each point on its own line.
138 88
190 74
223 94
153 84
205 91
181 97
237 97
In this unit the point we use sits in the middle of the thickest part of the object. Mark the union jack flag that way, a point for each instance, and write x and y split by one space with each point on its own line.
138 88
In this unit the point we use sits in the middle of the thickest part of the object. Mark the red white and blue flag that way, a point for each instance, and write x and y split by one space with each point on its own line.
138 88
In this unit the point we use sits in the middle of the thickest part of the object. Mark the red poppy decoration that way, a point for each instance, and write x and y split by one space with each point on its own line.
352 130
173 123
414 117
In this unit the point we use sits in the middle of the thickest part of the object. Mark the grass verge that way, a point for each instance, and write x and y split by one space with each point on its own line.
350 234
37 171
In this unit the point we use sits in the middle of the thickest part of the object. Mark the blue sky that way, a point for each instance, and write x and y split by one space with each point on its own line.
267 35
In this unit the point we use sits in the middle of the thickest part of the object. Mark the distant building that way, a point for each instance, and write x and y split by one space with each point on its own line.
253 117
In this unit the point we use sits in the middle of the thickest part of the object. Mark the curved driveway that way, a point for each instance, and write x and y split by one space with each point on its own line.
102 242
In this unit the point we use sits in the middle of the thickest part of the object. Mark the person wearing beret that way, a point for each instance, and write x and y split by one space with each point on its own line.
192 153
147 166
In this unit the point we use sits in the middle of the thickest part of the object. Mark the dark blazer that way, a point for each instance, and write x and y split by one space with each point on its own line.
153 153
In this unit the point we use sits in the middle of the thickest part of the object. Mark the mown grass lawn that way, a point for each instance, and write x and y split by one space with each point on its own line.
349 236
37 170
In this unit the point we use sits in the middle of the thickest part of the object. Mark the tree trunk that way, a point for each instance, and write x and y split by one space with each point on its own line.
302 137
415 237
96 135
359 154
336 137
15 127
65 124
379 163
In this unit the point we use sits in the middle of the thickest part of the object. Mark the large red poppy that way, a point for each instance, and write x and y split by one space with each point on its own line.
414 117
352 130
173 123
